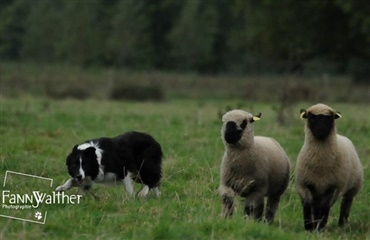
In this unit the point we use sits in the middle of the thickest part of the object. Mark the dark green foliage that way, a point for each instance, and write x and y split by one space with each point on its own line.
193 37
12 27
360 70
42 35
205 36
129 42
63 91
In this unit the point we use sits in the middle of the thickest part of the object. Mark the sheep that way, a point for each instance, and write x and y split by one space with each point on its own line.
252 167
327 167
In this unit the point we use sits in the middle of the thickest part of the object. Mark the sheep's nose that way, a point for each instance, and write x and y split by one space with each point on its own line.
79 177
232 138
233 133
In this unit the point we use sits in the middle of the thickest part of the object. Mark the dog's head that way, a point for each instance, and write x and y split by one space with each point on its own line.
83 162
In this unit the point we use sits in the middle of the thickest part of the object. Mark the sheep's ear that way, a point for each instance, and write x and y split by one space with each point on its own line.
256 117
337 115
303 114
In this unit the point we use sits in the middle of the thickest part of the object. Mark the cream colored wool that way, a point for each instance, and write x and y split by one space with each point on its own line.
254 168
326 164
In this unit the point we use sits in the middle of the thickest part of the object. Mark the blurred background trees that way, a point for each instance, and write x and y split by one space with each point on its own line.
235 36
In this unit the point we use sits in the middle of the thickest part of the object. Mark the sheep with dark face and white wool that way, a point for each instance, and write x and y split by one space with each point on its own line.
327 167
252 167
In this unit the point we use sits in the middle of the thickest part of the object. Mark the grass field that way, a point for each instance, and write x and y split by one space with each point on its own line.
37 134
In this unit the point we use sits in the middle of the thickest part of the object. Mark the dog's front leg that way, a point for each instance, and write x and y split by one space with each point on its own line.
70 183
127 181
144 191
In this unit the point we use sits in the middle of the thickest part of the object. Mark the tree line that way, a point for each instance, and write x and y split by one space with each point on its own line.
210 36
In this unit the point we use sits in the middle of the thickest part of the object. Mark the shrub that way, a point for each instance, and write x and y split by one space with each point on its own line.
360 71
134 92
63 91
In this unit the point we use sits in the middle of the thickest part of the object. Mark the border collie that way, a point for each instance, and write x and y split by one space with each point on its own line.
131 156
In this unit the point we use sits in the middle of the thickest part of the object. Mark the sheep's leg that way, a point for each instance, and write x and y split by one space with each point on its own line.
325 217
344 211
248 208
271 207
320 215
322 209
258 209
316 209
227 206
307 215
345 208
227 197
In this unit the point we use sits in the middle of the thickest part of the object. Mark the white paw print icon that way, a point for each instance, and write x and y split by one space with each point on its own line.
38 215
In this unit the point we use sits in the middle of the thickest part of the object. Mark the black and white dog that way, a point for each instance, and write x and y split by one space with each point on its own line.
131 156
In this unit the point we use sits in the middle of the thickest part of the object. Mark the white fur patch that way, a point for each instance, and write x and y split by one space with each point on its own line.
101 176
67 185
81 171
156 192
143 192
127 181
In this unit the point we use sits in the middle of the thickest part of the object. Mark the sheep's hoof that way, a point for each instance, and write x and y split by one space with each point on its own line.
342 222
309 226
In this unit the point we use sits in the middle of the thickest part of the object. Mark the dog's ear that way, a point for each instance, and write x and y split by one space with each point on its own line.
73 153
89 153
75 148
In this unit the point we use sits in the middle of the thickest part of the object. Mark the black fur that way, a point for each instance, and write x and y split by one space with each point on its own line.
320 125
233 133
136 152
316 211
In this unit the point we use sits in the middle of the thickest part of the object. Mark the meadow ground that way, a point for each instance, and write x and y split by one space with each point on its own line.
37 134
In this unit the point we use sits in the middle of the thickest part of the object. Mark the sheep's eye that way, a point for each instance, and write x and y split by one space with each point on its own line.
244 124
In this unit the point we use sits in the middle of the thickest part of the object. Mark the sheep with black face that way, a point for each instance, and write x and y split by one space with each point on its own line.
327 167
252 167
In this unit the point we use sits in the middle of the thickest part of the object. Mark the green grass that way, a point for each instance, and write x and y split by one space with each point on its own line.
37 134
